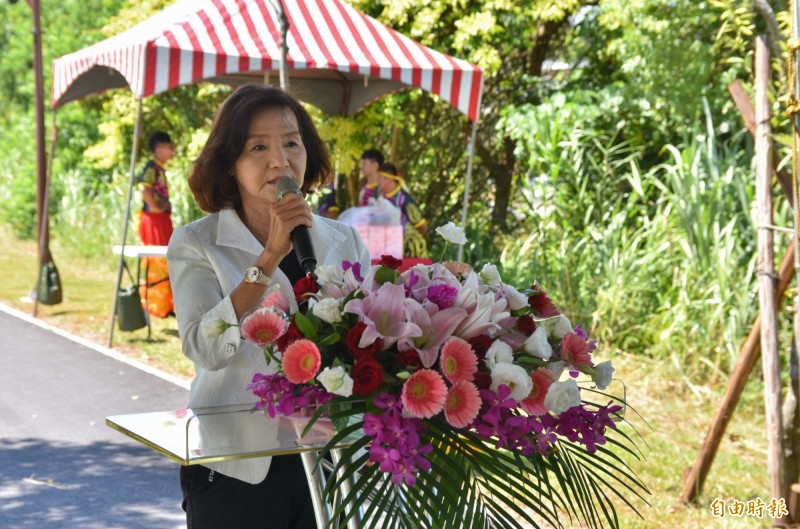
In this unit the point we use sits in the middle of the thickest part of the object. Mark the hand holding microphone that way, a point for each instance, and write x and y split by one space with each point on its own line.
301 240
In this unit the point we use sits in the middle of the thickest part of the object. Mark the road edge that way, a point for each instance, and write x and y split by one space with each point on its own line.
185 384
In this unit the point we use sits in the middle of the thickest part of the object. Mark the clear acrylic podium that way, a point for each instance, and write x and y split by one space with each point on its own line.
207 435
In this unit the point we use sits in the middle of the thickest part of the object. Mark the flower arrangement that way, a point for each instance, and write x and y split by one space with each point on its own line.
461 392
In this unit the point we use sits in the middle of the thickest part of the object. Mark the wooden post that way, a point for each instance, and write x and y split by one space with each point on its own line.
770 358
696 477
742 100
751 348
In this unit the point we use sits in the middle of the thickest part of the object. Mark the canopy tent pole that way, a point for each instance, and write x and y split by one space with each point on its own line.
284 29
125 222
41 168
467 183
44 229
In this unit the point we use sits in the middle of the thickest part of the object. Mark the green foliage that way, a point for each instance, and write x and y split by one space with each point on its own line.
18 182
89 217
473 486
659 260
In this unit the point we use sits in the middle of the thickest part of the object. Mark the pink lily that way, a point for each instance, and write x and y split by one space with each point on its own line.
386 315
436 328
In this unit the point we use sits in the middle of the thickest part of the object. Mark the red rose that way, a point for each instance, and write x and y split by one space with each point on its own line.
409 358
482 380
367 376
292 334
480 344
354 337
543 305
304 287
389 261
526 325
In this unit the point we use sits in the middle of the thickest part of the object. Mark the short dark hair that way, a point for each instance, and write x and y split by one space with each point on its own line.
211 182
158 138
373 154
389 168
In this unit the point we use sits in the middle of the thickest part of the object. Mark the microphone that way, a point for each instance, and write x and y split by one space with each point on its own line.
301 240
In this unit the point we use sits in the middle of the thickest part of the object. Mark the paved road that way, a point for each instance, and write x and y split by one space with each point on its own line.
61 467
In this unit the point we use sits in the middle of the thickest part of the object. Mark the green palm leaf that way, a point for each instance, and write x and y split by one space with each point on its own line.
472 484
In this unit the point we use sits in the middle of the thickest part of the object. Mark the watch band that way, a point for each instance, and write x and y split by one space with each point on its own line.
255 275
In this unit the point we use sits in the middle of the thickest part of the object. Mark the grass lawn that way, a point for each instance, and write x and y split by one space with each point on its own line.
673 420
88 286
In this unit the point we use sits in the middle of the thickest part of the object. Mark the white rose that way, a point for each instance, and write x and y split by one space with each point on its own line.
330 274
336 380
516 299
213 327
327 309
562 396
537 344
490 275
514 377
452 233
602 374
499 353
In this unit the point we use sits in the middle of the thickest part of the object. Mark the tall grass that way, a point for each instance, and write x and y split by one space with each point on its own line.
84 214
660 261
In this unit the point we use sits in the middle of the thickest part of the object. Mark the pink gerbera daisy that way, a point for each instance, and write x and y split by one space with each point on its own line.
534 403
458 361
276 300
462 404
575 350
301 361
423 394
263 326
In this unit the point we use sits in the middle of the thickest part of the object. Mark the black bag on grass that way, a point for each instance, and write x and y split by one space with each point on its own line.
130 314
49 288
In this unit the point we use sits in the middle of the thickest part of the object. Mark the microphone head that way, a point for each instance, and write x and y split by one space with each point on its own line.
286 185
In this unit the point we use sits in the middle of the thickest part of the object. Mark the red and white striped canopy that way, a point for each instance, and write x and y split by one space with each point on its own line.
339 59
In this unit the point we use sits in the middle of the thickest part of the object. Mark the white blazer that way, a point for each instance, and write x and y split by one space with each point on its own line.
207 260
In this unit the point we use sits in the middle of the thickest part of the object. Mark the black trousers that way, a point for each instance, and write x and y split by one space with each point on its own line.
282 501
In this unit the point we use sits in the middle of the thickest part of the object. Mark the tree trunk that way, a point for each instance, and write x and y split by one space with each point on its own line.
501 172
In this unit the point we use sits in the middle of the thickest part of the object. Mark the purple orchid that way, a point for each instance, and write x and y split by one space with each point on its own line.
355 268
395 445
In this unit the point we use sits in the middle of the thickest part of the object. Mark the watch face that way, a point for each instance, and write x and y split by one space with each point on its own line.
251 274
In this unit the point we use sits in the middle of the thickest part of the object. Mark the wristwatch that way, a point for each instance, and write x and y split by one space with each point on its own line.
255 275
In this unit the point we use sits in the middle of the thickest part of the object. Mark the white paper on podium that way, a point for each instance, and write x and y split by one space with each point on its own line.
379 227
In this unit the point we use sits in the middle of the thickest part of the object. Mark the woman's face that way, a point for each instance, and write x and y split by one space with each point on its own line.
273 149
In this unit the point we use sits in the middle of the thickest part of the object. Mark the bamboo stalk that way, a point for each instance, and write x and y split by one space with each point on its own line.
770 357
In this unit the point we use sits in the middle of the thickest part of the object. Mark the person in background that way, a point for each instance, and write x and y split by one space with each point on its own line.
327 205
222 267
371 161
155 223
393 188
